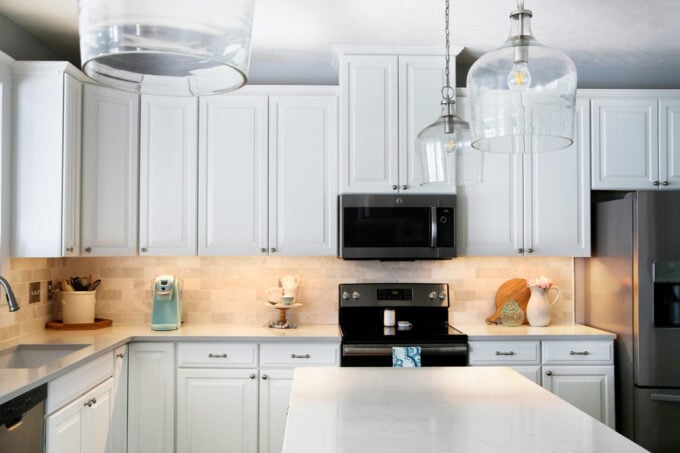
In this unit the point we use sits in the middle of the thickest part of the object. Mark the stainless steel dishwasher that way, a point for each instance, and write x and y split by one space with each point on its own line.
22 422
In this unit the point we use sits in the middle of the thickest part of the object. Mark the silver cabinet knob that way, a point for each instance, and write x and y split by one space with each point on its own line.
665 183
404 187
144 249
395 187
69 249
530 250
263 250
88 249
273 249
656 183
520 250
120 355
252 376
265 377
548 373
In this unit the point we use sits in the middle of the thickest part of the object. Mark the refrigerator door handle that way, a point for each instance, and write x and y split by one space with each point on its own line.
665 398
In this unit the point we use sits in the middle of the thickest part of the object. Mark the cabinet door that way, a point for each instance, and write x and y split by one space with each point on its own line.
669 144
275 389
110 166
46 163
530 372
421 79
624 143
368 124
303 185
168 176
119 396
490 214
82 425
557 196
216 410
589 388
232 175
151 398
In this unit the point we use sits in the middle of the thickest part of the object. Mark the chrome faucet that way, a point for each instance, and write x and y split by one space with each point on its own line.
11 300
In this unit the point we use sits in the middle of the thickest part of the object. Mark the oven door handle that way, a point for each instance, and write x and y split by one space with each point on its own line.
381 350
433 227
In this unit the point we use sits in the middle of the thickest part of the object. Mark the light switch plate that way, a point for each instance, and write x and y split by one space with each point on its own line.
33 292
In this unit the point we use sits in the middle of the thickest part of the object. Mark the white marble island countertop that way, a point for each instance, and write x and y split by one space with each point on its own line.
527 332
423 410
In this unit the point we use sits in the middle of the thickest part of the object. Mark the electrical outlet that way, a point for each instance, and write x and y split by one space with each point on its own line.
49 290
33 292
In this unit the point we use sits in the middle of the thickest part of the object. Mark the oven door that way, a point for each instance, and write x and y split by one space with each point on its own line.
380 355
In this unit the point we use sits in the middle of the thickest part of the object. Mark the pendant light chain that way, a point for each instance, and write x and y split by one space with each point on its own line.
447 91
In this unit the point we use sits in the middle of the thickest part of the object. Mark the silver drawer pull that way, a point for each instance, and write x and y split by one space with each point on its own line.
300 356
505 353
579 353
665 398
217 356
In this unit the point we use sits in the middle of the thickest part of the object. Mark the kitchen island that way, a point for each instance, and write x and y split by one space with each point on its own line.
462 409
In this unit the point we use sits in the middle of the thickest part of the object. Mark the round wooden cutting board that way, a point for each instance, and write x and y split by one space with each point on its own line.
514 289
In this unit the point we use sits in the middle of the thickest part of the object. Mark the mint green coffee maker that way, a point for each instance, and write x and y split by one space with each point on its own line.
166 311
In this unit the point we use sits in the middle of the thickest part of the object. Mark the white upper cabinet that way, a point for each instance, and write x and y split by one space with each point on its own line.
634 140
232 191
536 204
386 100
303 149
168 179
110 172
46 163
268 174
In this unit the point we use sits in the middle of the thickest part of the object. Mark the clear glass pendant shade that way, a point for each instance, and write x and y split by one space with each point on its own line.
171 47
522 94
437 143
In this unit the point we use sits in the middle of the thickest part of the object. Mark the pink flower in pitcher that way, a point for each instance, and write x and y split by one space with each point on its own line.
542 282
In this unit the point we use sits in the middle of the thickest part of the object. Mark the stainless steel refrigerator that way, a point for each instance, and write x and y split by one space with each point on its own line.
632 288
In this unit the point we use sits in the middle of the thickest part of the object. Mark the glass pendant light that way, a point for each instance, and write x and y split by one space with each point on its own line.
171 47
436 143
522 94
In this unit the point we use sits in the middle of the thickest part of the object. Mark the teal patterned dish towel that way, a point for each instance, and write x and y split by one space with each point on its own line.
406 357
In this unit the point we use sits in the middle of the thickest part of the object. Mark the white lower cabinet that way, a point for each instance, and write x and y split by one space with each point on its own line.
78 409
275 388
579 371
151 398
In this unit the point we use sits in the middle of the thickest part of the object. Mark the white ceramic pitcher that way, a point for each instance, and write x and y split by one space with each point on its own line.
538 308
290 281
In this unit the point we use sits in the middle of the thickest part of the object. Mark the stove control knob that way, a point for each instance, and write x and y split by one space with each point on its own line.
442 296
345 295
355 295
432 295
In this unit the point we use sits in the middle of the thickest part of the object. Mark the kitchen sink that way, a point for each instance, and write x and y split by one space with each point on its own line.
35 355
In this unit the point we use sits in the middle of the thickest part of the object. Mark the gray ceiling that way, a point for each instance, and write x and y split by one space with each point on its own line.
614 43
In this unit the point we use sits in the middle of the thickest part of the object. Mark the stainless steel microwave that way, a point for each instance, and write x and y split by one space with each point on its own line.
396 227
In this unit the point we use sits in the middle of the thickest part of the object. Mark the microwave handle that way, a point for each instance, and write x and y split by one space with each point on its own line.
433 227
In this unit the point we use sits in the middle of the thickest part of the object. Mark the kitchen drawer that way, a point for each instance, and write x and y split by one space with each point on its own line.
299 354
74 383
570 352
505 353
216 355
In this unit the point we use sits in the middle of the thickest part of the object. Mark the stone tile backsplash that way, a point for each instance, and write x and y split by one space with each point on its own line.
231 289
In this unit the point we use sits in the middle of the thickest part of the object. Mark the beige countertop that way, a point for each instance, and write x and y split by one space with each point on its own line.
462 409
524 332
15 381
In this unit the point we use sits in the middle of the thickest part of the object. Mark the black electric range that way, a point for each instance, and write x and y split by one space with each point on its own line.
375 317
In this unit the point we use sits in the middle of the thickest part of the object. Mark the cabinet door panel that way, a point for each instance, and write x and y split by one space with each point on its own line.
420 82
589 388
168 175
625 143
73 105
369 121
303 175
64 429
669 144
557 197
232 211
216 410
110 172
97 419
275 389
